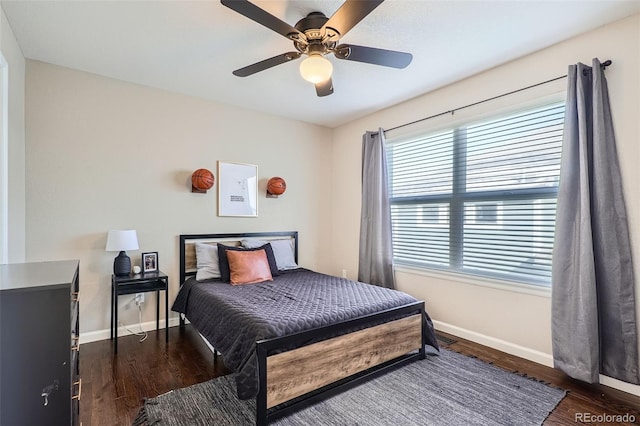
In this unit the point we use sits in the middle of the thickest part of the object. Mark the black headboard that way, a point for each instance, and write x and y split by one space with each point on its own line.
187 239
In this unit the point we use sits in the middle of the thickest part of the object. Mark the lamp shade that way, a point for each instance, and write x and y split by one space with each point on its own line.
316 69
121 240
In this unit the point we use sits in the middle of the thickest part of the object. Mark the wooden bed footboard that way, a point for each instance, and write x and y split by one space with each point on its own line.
315 371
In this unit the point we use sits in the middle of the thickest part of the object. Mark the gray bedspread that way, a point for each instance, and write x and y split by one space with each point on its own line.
233 318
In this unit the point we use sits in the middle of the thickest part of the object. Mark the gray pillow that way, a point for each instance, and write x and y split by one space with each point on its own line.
283 250
207 263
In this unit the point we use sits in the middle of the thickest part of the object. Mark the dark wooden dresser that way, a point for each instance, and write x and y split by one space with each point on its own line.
39 349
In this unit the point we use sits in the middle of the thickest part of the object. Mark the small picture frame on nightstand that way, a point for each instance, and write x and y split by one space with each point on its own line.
150 262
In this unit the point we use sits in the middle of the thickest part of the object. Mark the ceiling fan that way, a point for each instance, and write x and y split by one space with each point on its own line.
315 36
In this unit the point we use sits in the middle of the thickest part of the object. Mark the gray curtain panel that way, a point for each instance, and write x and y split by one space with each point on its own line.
593 305
376 255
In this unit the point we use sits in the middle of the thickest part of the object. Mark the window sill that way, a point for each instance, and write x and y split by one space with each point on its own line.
516 287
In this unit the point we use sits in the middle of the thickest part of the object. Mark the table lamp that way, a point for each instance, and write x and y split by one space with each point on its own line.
121 240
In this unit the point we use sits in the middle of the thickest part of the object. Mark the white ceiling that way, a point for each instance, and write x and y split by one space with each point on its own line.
192 47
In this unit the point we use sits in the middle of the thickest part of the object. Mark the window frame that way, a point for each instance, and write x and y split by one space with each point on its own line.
459 196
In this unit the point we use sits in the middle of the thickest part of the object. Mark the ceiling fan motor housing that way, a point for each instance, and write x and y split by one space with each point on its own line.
319 40
311 24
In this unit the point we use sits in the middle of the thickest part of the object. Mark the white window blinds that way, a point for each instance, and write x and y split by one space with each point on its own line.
480 198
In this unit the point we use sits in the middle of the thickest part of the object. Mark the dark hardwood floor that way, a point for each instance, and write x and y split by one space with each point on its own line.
114 385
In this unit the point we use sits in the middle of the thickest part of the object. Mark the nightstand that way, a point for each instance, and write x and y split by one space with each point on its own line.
139 283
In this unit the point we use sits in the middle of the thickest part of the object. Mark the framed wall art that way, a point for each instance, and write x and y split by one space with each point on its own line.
237 189
150 262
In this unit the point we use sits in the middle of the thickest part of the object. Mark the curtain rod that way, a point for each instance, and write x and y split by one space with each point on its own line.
452 111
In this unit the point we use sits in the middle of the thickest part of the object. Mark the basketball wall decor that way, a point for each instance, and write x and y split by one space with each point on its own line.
276 186
201 181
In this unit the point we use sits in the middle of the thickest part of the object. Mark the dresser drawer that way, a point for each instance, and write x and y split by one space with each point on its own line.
75 324
75 412
75 362
75 307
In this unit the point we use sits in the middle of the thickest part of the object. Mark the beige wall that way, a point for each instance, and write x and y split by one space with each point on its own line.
15 145
104 154
517 322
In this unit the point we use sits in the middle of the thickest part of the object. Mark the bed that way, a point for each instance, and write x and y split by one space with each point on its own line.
303 336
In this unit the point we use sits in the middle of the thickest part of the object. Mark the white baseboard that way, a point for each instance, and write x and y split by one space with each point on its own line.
492 342
620 385
524 352
94 336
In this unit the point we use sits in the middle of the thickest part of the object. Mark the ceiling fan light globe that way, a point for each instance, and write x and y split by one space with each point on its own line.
316 69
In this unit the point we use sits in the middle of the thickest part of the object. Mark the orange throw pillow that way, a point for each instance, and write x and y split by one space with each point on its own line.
248 267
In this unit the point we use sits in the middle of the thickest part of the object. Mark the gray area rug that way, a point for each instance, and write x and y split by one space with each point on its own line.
450 389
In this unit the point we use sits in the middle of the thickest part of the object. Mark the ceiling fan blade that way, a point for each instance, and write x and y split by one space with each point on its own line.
263 17
349 14
372 55
325 88
267 63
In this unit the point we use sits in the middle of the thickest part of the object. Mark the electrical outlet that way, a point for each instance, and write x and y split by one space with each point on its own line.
344 273
139 299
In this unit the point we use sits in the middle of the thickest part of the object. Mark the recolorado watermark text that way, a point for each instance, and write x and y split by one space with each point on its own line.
604 418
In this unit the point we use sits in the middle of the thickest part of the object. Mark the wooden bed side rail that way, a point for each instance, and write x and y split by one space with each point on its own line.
312 372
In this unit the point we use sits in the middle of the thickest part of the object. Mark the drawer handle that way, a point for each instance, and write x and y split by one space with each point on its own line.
75 296
48 390
79 383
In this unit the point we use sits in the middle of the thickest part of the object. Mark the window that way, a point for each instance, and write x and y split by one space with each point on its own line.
433 214
485 213
480 198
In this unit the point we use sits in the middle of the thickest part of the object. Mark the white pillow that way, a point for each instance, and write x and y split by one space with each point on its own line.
283 251
207 264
